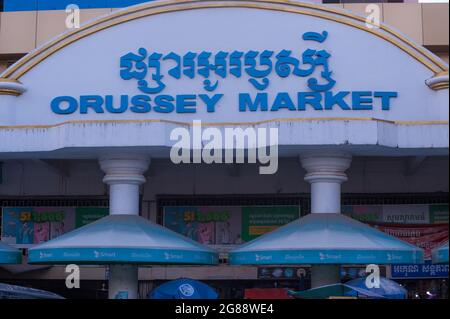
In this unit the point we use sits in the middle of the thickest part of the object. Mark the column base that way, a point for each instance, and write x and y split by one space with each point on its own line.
123 282
322 275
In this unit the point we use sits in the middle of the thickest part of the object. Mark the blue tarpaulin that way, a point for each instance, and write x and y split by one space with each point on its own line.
183 288
18 292
440 254
387 288
9 255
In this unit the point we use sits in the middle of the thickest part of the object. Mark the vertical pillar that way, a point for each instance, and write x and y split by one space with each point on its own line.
325 173
124 175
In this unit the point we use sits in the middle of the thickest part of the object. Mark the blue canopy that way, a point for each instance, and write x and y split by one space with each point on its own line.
388 288
122 239
440 254
9 255
18 292
183 288
330 291
326 239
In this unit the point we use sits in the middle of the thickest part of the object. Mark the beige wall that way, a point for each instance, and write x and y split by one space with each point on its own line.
435 26
427 24
20 32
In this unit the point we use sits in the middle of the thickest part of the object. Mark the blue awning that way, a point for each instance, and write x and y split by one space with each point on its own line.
9 255
122 239
440 254
326 239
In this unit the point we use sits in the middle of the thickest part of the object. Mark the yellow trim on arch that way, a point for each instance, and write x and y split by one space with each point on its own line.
297 119
417 52
9 92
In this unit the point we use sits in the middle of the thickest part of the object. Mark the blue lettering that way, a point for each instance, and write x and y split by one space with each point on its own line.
260 101
109 105
385 99
283 100
163 104
362 100
72 105
210 101
94 102
338 99
311 98
140 104
186 103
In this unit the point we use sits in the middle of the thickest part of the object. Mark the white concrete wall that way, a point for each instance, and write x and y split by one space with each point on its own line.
31 178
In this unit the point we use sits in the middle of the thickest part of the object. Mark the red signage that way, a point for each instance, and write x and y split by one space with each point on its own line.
427 237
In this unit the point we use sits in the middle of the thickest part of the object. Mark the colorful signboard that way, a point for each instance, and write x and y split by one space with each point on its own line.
226 225
426 237
399 214
259 220
439 214
425 226
35 225
211 225
86 215
424 271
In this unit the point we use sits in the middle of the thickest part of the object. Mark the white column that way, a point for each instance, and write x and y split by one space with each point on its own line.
124 175
123 282
325 173
322 275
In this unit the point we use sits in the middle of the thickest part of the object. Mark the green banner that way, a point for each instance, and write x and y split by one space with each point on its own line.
259 220
439 214
86 215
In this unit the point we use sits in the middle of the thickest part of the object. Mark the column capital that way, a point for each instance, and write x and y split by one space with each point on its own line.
124 169
326 166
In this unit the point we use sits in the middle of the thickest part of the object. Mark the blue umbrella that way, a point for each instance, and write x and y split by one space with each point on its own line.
440 254
326 239
9 255
19 292
183 288
122 239
388 288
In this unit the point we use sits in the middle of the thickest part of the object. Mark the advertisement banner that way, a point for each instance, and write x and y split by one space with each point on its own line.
439 214
406 214
25 226
424 271
86 215
364 213
35 225
427 237
399 214
226 225
211 225
259 220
